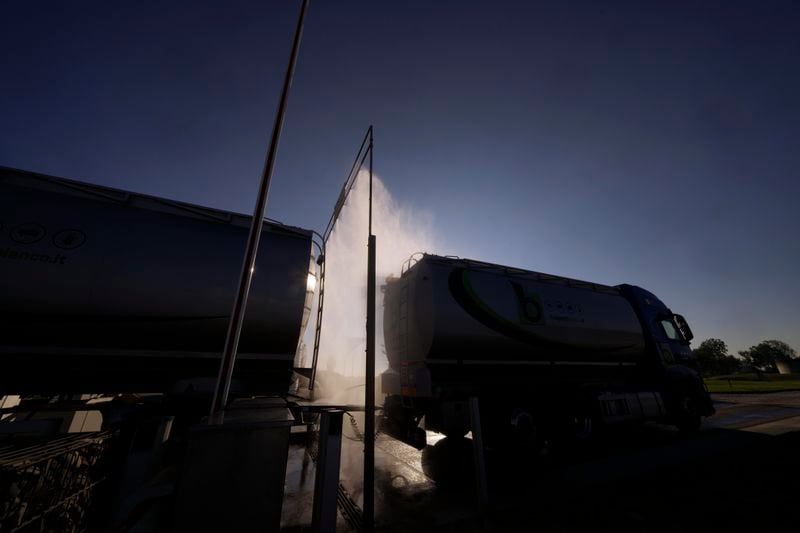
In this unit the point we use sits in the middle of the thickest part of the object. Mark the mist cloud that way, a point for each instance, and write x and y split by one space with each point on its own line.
400 231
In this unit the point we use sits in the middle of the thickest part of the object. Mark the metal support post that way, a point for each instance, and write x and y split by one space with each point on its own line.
251 250
326 482
478 453
369 400
369 411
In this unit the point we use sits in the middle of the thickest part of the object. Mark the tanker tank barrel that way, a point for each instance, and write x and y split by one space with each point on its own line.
137 298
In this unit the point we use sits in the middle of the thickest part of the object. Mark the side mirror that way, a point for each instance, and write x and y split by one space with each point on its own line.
684 327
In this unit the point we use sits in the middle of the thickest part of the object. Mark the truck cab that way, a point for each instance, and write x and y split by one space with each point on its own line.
669 362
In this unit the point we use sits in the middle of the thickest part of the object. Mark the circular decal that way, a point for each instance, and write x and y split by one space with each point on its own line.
69 239
530 309
27 233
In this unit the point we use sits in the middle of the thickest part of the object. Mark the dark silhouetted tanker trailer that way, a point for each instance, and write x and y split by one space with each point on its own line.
545 355
107 291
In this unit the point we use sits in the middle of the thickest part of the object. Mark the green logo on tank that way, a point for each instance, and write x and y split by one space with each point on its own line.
528 304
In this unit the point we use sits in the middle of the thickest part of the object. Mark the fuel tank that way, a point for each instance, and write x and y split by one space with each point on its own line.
454 314
105 290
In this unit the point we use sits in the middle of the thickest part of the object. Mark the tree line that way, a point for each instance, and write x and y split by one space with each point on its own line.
714 360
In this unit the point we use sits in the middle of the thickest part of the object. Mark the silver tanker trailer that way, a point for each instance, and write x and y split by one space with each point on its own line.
108 291
548 357
113 316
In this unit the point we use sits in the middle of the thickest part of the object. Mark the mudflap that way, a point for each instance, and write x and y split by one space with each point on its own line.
401 420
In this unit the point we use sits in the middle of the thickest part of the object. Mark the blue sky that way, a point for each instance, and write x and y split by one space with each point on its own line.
615 142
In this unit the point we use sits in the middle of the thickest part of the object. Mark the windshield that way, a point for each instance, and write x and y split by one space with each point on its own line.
671 330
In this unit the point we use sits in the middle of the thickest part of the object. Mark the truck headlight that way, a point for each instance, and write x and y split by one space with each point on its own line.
311 282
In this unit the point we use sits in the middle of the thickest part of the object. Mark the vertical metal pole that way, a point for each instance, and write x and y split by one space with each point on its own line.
478 453
371 144
326 482
369 400
240 302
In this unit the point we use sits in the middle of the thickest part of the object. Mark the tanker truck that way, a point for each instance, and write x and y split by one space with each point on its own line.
109 291
547 357
113 316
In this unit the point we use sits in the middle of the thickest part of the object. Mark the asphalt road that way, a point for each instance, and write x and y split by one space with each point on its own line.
739 473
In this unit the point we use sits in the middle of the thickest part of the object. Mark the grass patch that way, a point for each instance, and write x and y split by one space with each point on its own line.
752 383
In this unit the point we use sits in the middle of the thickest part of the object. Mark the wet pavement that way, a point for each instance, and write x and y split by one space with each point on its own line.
612 477
751 411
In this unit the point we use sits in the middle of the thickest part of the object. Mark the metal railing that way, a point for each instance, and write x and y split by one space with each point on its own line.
56 485
476 265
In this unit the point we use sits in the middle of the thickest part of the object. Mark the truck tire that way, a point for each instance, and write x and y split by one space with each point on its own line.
688 419
449 462
582 428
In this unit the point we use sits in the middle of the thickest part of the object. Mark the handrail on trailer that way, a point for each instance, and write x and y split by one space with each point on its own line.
518 272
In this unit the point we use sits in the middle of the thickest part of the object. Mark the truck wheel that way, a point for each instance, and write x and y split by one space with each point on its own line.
449 462
524 429
582 428
688 417
530 443
572 435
